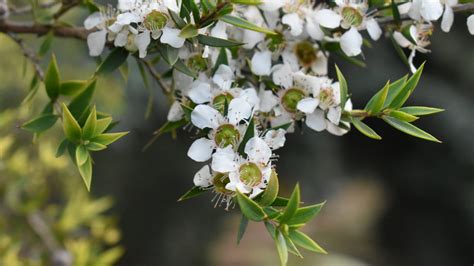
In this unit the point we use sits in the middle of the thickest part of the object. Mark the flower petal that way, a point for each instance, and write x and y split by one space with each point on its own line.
351 42
171 36
204 116
448 18
223 160
200 92
328 18
334 115
262 63
223 77
96 42
142 41
282 75
203 178
307 105
251 97
373 29
294 22
313 29
470 24
201 150
93 20
431 9
267 100
239 109
316 121
258 151
176 112
275 139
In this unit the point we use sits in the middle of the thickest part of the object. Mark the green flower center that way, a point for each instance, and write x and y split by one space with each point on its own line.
352 16
227 135
291 98
250 174
306 53
219 181
197 63
155 20
221 100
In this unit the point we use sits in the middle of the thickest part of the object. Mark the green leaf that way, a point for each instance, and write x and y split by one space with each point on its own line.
82 155
271 191
280 202
216 42
394 90
94 146
409 129
80 104
193 192
399 51
420 110
271 212
400 115
183 68
249 133
71 127
343 87
250 208
89 127
292 205
52 79
168 53
305 242
291 247
40 123
189 31
102 125
108 138
244 24
177 19
305 214
72 87
46 44
113 61
242 227
282 249
221 59
62 148
407 89
376 103
364 129
86 172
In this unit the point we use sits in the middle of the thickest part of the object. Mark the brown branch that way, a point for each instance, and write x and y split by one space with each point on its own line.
65 8
157 76
456 9
59 31
30 54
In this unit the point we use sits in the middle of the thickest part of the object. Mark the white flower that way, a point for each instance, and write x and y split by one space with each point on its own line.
171 36
306 55
351 42
295 23
429 10
262 63
96 40
225 131
448 15
418 41
248 175
275 139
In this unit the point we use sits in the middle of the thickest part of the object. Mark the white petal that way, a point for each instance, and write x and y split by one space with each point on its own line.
203 178
414 11
404 8
223 77
239 109
307 105
267 100
171 36
351 42
309 83
410 60
334 115
93 20
142 41
373 29
283 76
127 18
262 63
223 160
219 30
201 150
176 112
328 18
121 39
204 116
335 130
431 9
295 23
200 92
251 38
401 40
96 42
470 24
258 151
313 29
251 97
271 5
316 121
125 5
448 18
275 139
171 5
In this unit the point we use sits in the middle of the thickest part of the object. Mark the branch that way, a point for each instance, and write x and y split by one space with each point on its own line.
157 76
59 31
30 54
456 9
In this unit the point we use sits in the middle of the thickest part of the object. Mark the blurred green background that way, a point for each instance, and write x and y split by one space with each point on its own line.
399 201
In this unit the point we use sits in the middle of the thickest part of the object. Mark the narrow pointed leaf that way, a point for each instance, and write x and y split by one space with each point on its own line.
62 148
113 61
72 87
244 24
40 124
94 146
343 87
52 79
420 110
193 192
242 227
108 138
403 116
102 125
409 129
271 191
250 208
407 89
305 214
282 249
364 129
86 173
89 127
305 242
216 42
292 205
394 89
376 103
81 155
72 130
189 31
79 105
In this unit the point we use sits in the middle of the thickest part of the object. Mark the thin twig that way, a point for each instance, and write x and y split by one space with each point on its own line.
30 54
65 8
157 76
59 31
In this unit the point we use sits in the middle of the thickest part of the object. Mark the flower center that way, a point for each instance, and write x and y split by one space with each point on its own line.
326 97
227 135
306 53
221 100
197 63
291 98
155 20
250 174
352 16
219 181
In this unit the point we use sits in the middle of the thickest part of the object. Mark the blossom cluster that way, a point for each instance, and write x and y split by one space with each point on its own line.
244 98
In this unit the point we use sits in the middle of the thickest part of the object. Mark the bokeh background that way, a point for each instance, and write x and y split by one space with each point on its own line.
399 201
